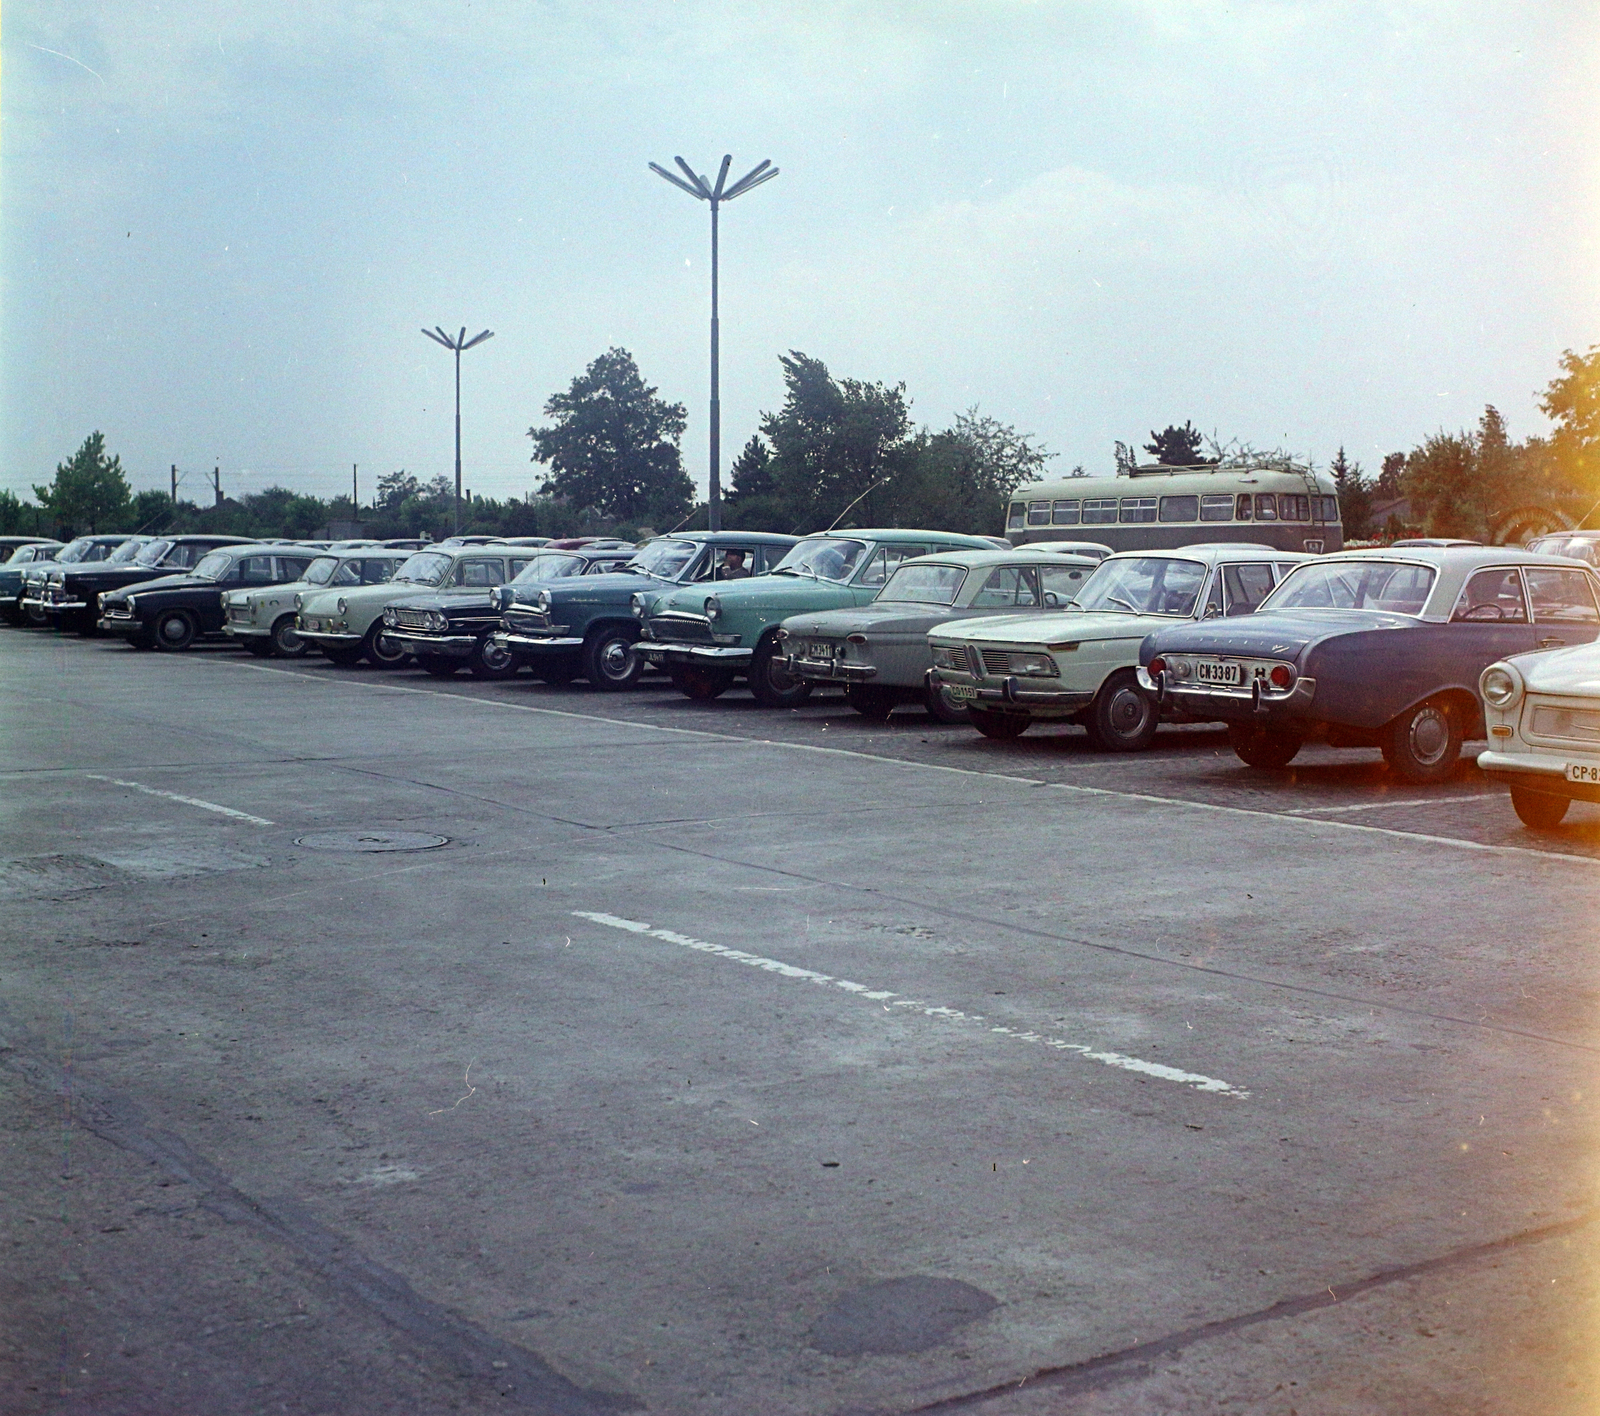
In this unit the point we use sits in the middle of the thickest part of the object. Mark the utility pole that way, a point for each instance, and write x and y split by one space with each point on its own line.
216 481
355 502
458 344
174 486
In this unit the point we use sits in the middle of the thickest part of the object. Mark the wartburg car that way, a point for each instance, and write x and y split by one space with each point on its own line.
1013 671
880 654
261 617
1373 649
706 638
174 611
83 551
1543 714
72 593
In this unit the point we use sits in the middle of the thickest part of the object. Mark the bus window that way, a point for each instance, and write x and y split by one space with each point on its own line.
1325 509
1266 507
1216 508
1038 513
1064 513
1138 509
1293 507
1099 511
1014 519
1180 508
1242 511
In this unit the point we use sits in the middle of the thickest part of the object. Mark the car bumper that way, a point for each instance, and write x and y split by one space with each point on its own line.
33 602
328 636
439 646
829 670
1537 773
534 643
51 607
1009 692
246 631
1231 705
120 624
723 656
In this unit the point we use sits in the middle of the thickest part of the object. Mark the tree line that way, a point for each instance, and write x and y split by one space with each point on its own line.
845 451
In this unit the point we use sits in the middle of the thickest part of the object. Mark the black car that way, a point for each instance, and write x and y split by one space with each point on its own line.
452 627
174 611
18 560
84 550
71 596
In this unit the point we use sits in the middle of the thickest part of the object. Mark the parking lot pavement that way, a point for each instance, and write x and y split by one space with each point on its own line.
718 1060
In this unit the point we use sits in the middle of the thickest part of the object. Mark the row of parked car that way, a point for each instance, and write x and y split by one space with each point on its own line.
1412 649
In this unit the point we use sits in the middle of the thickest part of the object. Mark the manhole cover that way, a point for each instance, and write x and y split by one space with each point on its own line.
371 841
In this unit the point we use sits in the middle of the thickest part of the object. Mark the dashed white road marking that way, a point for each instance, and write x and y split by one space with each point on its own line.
186 800
888 1001
1381 805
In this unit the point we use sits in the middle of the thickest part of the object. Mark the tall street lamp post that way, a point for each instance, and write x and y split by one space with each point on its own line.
457 346
715 193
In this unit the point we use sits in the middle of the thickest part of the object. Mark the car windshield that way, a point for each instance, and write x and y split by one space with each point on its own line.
318 572
214 566
425 568
1355 585
823 558
75 551
925 584
550 568
1144 585
124 553
151 553
665 559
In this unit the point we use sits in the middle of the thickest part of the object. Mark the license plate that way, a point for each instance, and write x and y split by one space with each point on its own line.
1218 671
1583 772
960 691
819 649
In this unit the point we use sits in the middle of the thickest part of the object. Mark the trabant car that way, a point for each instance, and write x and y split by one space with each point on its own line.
566 625
346 623
453 627
71 594
83 551
1373 649
880 653
1543 717
174 611
11 575
1014 671
705 639
261 617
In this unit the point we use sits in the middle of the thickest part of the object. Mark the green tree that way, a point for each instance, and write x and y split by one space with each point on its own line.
1355 496
152 511
13 513
1004 458
89 492
1572 402
614 445
1178 447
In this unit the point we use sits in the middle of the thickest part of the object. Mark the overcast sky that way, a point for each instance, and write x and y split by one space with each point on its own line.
1298 224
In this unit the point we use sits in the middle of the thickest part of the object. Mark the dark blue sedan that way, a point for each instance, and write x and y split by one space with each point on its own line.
1372 649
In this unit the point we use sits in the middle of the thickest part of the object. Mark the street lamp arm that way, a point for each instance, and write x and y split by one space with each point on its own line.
722 176
749 180
438 339
694 192
477 339
695 180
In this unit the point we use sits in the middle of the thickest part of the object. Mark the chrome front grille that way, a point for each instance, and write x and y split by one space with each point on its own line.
527 621
412 619
996 663
682 629
239 614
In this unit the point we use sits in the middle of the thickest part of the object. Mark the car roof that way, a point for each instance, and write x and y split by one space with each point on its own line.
897 534
1210 552
719 538
1019 555
1455 557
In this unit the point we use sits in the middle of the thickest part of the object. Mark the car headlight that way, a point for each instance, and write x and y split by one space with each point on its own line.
299 602
438 621
342 607
541 602
636 604
131 601
713 607
945 657
1501 686
1034 666
391 617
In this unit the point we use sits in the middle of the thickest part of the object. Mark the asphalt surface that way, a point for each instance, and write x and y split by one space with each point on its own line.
724 1060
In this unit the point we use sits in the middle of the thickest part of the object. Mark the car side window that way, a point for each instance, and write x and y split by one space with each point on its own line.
1213 606
877 569
1561 596
1060 583
377 572
292 568
480 572
520 564
1245 586
1493 597
1007 585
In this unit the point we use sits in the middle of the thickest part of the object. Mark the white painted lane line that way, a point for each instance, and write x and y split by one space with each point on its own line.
886 999
1382 805
1458 842
186 800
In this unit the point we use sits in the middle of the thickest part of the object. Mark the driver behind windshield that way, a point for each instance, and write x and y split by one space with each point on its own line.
731 567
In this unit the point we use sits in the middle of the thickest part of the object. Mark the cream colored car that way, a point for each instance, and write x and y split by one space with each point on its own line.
1014 670
262 618
1542 712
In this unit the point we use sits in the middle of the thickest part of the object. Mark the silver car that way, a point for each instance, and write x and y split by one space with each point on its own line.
262 618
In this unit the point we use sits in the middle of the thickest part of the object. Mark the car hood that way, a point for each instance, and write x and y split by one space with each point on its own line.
475 597
760 593
613 585
177 582
1575 670
325 601
1269 636
1052 627
893 617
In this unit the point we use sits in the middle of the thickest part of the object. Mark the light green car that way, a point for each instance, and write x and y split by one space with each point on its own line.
705 636
262 618
1015 670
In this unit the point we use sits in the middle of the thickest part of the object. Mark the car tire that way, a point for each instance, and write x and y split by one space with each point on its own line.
380 651
35 617
437 665
942 708
286 641
1539 811
1269 749
175 630
702 685
1121 718
873 703
261 648
770 680
1000 726
1424 743
489 661
610 662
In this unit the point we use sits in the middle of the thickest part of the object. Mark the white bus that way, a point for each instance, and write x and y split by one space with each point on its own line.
1152 508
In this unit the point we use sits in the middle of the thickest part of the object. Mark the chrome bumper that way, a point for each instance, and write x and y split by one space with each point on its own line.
531 643
119 624
246 631
830 671
1065 700
446 646
1537 773
658 652
327 636
53 605
35 602
1229 704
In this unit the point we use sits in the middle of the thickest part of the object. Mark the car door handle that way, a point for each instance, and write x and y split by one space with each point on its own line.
1550 641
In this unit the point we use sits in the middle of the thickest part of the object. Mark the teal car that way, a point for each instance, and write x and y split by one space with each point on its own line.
707 637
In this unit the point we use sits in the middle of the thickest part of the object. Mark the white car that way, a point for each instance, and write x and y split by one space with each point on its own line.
1014 670
1542 711
262 618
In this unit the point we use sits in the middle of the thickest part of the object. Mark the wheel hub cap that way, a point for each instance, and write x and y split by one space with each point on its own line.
1430 736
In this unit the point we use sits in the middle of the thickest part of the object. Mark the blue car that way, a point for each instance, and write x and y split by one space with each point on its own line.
1377 648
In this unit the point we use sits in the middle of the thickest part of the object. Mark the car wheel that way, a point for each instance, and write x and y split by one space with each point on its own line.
1267 748
492 661
380 651
871 703
1423 743
175 630
1539 810
609 660
1121 718
286 640
944 709
1000 726
261 648
770 680
702 685
35 616
438 665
